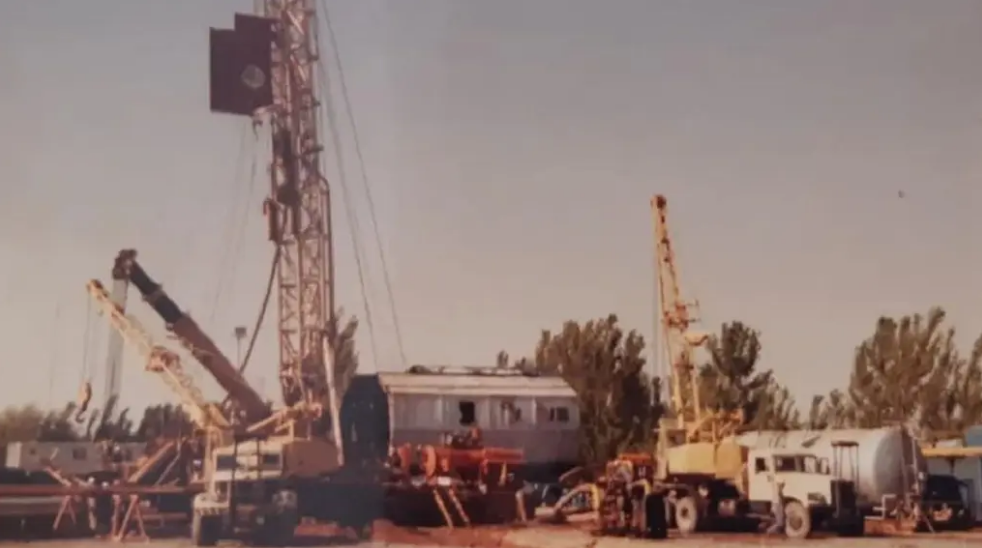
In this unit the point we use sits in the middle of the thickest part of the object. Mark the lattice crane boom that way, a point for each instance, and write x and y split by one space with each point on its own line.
676 317
693 421
164 363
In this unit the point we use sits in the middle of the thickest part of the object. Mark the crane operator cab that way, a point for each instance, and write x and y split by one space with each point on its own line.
251 490
814 494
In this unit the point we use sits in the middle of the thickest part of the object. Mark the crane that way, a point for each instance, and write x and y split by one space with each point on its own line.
693 427
161 361
247 400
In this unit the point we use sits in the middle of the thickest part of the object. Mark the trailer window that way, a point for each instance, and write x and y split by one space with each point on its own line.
559 414
760 465
225 462
468 413
511 414
786 464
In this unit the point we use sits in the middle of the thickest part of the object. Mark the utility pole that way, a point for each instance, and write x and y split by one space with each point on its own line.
270 68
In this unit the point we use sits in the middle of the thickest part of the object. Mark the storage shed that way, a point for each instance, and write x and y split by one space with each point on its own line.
534 413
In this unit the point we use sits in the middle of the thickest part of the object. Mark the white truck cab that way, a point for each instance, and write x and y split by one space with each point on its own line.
813 493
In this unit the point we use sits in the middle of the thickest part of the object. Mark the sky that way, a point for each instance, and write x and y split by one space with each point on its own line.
511 150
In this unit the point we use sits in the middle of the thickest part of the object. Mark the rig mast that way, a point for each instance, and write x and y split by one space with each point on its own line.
267 66
299 209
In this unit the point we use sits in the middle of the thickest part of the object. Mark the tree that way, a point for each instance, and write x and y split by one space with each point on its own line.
731 382
345 354
163 421
29 423
604 366
106 424
910 372
830 411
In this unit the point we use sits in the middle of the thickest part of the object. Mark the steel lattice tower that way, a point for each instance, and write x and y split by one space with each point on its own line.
299 209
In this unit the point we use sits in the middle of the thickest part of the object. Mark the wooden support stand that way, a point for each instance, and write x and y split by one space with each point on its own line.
128 519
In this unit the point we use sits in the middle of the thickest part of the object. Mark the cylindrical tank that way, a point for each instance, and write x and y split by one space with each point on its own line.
890 461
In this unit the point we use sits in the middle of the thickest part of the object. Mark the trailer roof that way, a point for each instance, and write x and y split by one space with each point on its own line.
475 384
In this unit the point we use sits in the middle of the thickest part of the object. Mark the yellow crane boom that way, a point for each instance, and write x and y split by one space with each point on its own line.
695 429
161 361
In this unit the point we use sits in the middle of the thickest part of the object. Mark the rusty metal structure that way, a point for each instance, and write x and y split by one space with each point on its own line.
467 482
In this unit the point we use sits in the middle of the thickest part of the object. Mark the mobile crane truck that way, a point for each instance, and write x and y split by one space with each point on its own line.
700 478
257 468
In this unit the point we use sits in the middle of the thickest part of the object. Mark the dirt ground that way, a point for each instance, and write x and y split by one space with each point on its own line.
538 535
546 536
387 533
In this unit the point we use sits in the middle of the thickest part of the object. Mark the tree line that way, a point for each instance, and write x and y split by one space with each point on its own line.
908 371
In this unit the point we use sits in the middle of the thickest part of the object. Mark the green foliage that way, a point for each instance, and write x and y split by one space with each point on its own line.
908 372
832 411
604 366
31 423
163 421
731 381
345 354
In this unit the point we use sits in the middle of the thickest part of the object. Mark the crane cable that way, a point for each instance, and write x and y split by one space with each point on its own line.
352 224
229 240
262 310
346 199
85 384
365 183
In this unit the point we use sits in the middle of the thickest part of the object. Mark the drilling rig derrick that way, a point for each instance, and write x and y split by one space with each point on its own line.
267 68
298 209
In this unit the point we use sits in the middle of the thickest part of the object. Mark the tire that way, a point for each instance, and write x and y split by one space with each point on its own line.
205 530
797 520
687 515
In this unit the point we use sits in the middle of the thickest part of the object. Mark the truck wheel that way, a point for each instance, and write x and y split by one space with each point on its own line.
205 530
687 515
797 520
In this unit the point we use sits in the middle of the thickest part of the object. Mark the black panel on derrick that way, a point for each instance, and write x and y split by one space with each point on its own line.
241 62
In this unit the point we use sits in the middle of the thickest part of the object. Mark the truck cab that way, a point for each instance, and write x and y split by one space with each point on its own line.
813 494
248 492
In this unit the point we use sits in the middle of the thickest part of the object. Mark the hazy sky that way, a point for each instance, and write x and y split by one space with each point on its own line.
512 148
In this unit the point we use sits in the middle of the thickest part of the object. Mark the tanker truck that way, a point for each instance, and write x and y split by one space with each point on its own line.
890 467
